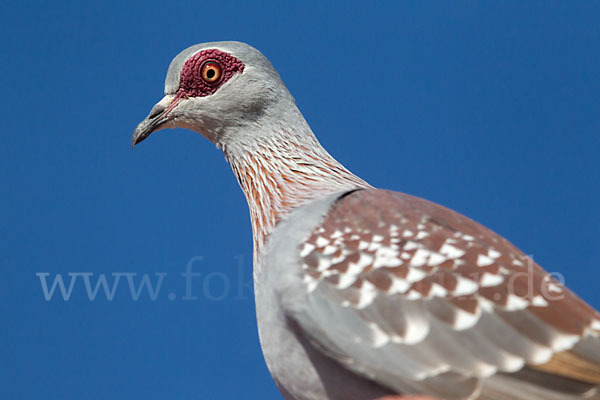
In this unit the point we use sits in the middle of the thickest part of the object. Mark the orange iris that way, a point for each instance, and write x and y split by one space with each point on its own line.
211 72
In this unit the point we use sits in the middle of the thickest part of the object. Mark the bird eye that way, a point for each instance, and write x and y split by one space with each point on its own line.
211 72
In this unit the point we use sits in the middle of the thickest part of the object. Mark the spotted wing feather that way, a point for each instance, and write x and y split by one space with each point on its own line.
424 300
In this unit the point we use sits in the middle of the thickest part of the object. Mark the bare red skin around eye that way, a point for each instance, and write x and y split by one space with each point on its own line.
191 83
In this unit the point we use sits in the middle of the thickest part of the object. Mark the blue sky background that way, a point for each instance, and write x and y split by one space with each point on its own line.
490 108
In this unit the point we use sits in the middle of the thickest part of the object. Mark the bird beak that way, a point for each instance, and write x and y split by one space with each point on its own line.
156 120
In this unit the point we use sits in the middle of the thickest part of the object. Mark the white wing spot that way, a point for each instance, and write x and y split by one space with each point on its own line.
306 249
565 342
553 287
493 253
386 257
487 305
488 279
367 294
413 295
410 245
420 258
483 261
324 263
345 281
437 291
514 303
363 261
407 233
421 235
415 275
329 250
379 338
339 258
436 259
517 263
374 246
311 283
465 320
321 241
336 234
378 238
398 285
362 245
539 301
465 286
451 251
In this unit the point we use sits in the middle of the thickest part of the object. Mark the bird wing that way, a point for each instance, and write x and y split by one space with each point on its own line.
424 300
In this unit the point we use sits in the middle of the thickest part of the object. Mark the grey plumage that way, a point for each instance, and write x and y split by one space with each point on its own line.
362 292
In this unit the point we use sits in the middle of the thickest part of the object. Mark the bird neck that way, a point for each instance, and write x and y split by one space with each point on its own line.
282 171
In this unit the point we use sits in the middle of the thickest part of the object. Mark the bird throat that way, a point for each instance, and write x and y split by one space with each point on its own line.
283 172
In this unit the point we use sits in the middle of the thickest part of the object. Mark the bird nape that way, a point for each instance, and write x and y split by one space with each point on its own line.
363 293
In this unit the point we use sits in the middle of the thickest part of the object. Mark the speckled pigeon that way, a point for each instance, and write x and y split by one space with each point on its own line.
361 292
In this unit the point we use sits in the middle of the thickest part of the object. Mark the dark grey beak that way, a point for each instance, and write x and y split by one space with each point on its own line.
158 116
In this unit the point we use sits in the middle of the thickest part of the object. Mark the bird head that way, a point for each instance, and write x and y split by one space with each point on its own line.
219 89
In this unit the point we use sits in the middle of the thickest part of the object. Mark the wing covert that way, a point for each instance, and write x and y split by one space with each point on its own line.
425 300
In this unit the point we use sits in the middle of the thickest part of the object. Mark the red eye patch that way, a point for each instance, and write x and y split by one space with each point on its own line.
193 82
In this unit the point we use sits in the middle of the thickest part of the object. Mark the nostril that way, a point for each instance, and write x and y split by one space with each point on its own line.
156 111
